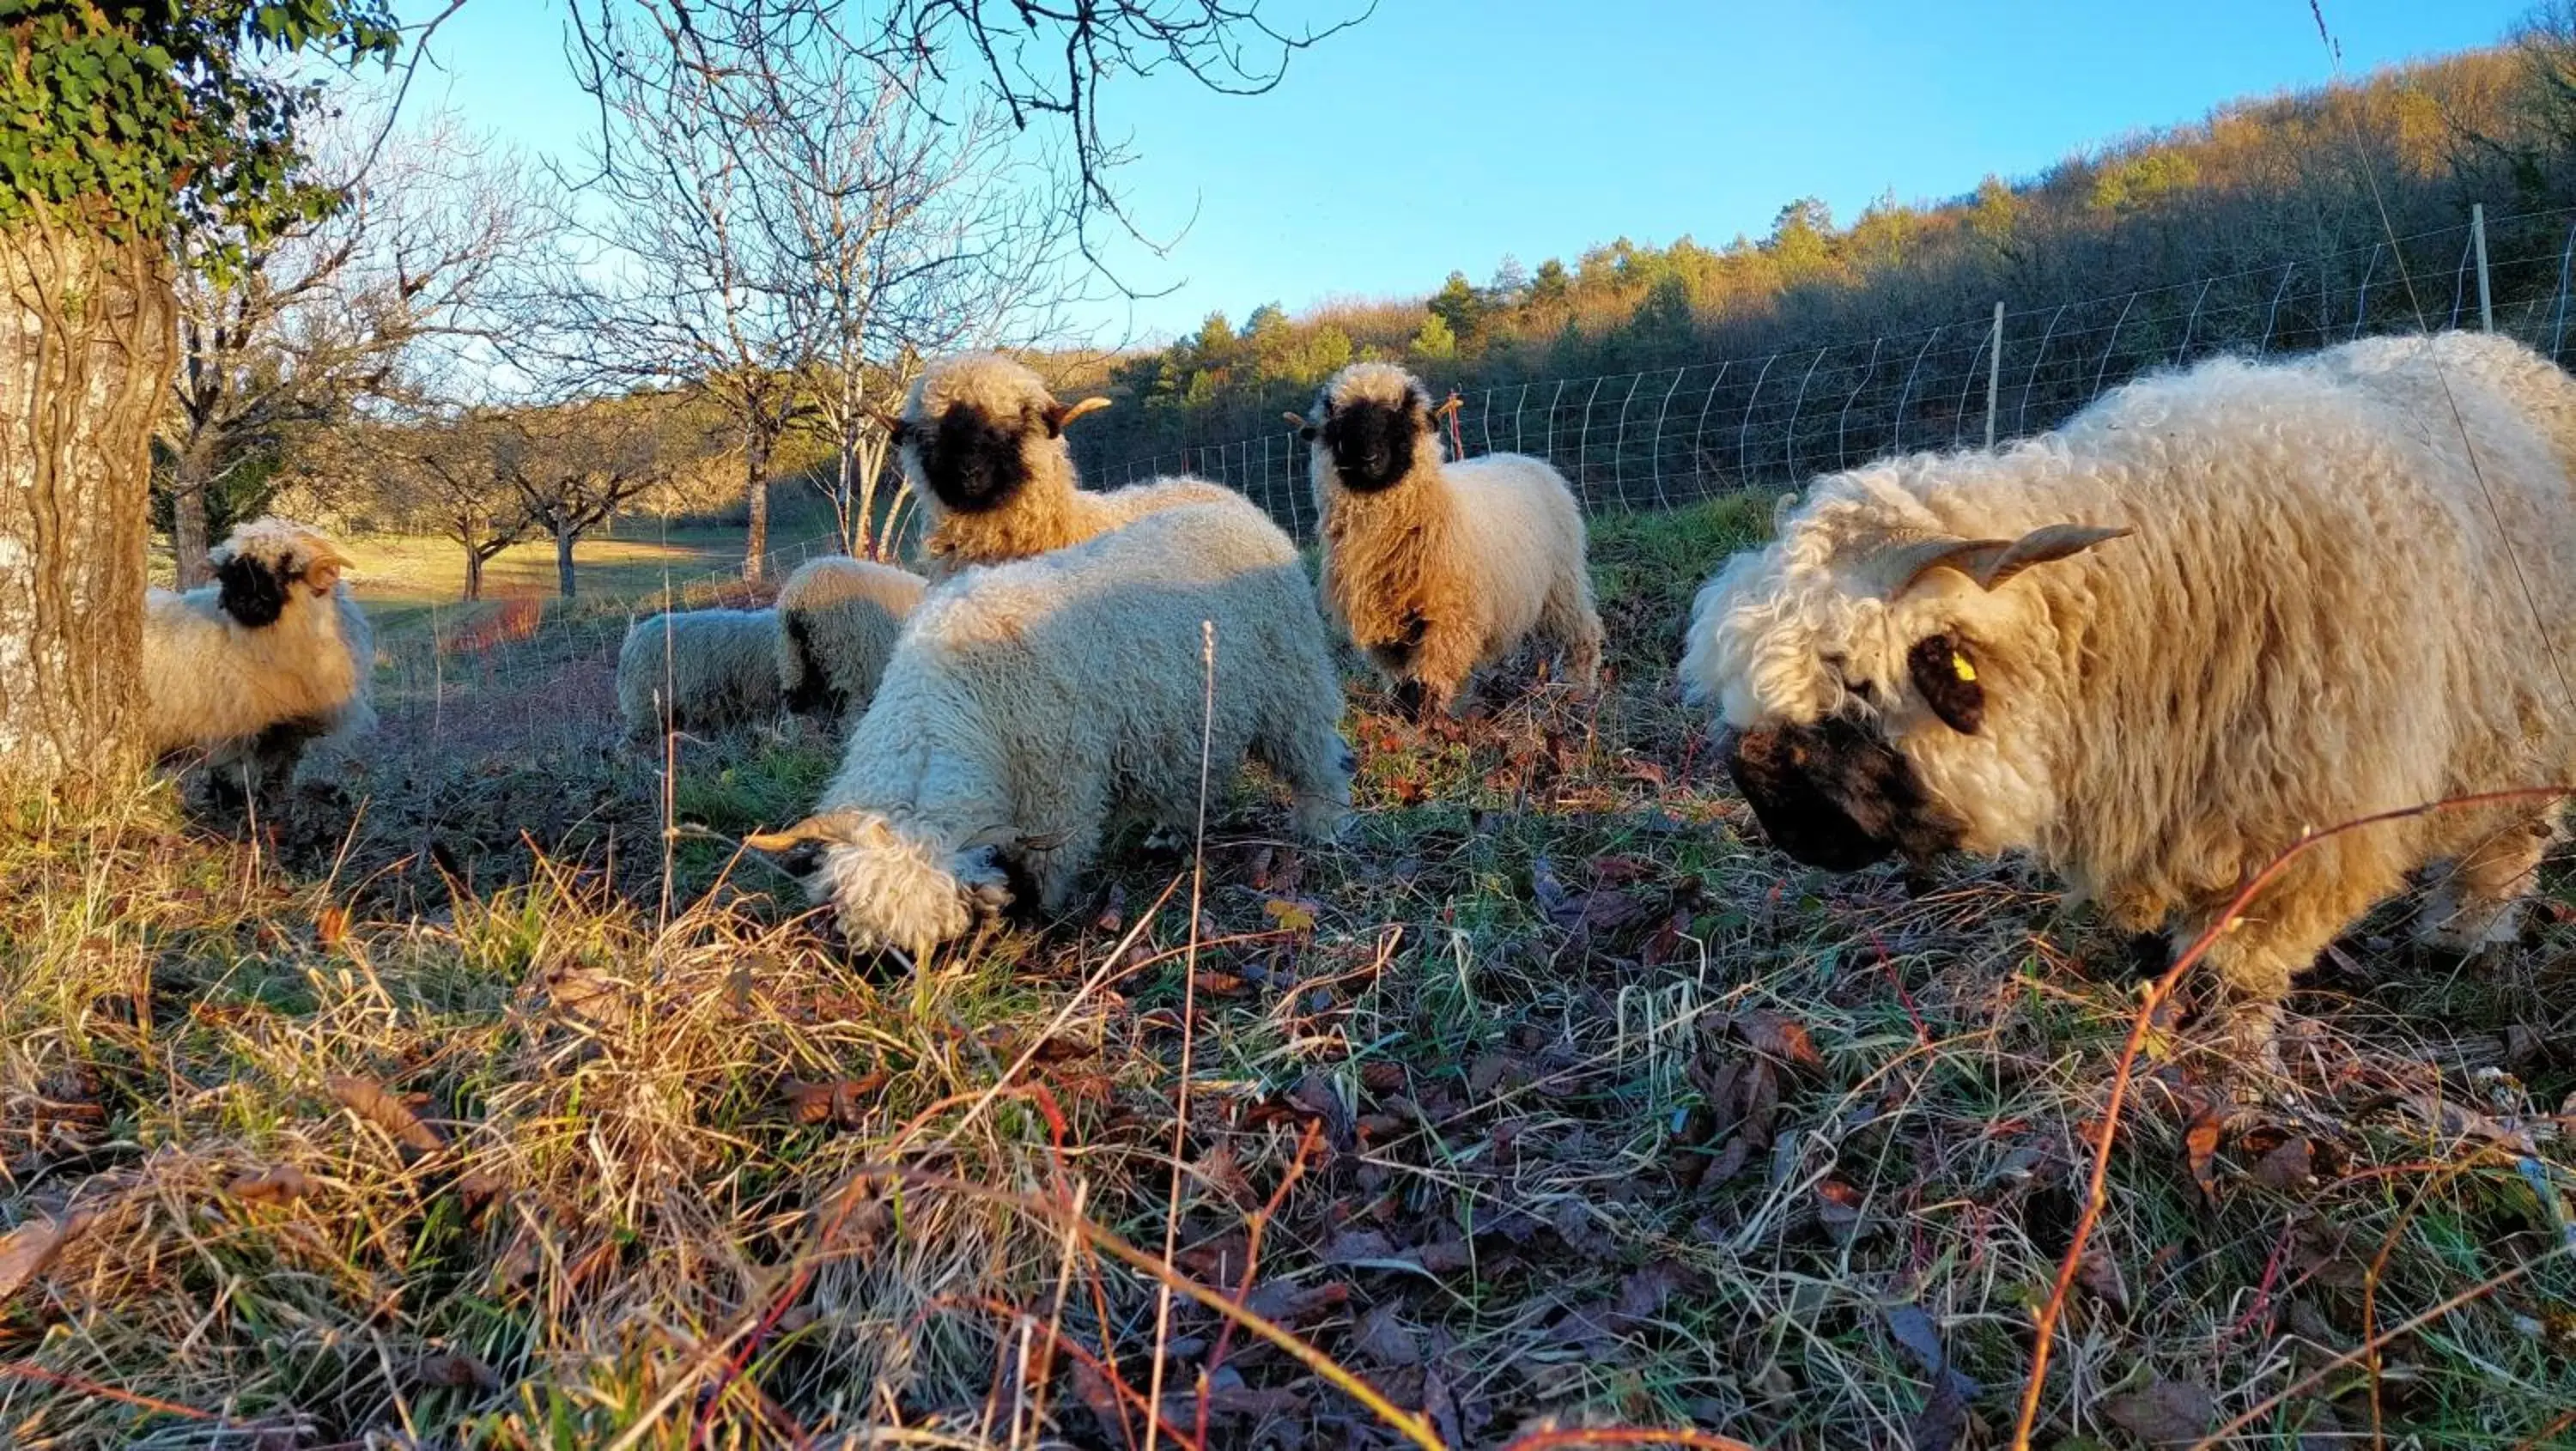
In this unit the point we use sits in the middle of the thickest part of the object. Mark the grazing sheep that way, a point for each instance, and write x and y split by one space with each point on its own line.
257 666
982 444
698 670
2215 611
1435 569
1030 705
837 620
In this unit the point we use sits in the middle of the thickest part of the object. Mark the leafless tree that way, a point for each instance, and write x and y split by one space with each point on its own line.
450 472
296 330
572 467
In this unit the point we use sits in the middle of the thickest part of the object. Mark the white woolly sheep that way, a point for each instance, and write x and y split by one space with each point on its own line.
1031 706
698 670
2318 613
1436 569
254 668
837 621
981 440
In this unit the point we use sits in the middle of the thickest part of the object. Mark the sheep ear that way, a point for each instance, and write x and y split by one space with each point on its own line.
1297 421
1059 414
322 571
1781 509
892 423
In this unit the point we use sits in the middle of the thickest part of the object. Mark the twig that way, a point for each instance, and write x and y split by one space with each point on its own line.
1189 1037
2154 998
1627 1436
23 1370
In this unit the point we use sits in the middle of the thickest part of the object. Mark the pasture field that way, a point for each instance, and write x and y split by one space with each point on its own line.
492 1097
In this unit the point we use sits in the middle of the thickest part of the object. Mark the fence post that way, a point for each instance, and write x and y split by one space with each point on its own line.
2478 236
1994 374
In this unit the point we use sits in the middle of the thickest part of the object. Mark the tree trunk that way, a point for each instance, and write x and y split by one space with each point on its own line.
90 342
188 541
473 571
755 453
563 560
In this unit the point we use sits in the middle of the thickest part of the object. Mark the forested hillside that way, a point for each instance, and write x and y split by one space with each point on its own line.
2285 201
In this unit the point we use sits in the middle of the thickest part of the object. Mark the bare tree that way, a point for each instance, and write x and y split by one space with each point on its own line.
1041 62
451 471
897 237
292 330
573 467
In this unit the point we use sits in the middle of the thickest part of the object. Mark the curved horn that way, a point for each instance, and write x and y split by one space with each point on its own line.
1989 562
1298 421
1087 405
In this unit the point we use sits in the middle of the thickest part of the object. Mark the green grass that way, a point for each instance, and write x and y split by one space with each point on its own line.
1568 1158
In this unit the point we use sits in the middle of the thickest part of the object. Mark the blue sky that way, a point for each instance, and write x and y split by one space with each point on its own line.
1443 135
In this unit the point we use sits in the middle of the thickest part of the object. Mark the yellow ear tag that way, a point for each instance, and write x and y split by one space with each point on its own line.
1959 666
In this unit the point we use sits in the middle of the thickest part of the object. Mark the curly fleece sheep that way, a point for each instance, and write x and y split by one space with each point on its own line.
837 619
1030 705
698 670
982 444
255 667
2218 609
1435 569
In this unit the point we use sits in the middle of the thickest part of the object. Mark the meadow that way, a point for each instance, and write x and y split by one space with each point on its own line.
492 1096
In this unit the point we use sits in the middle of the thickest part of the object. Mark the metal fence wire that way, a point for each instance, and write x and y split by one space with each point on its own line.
1669 437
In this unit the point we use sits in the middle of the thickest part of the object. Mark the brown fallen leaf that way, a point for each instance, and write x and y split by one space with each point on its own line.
453 1370
281 1185
331 927
2100 1274
2289 1166
26 1251
369 1100
1383 1336
843 1102
1220 984
1780 1036
2200 1150
2165 1413
1352 1246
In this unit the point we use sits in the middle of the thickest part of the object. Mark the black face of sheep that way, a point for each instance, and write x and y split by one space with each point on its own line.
1372 442
972 464
253 591
814 694
1836 796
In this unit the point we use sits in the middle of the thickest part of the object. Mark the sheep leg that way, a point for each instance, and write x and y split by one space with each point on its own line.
2472 906
2281 934
1570 620
1441 667
1053 869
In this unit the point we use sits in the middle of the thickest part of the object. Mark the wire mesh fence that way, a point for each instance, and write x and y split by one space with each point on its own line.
1664 438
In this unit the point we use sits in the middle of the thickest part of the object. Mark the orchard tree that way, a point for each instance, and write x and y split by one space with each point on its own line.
129 125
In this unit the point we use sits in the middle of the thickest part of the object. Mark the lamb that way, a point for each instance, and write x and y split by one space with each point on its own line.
837 619
1030 706
256 667
981 441
698 670
1436 569
2215 611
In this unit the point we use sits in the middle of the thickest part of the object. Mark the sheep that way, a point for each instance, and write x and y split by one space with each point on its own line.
1435 569
981 441
1031 706
698 670
2216 610
255 667
837 619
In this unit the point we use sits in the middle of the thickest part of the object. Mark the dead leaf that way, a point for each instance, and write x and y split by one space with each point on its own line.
1384 1337
2165 1413
2098 1273
843 1102
281 1185
1644 1292
2287 1167
1097 1396
1292 916
1220 984
26 1251
453 1370
1944 1417
1112 918
1445 1256
2200 1150
369 1100
1284 1304
1781 1037
331 927
1353 1246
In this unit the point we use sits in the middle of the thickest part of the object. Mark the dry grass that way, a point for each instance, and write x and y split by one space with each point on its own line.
1552 1099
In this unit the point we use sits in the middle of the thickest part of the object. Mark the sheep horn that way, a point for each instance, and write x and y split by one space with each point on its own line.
1989 562
1780 508
1087 405
783 841
1298 422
